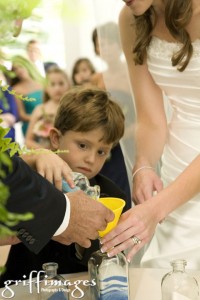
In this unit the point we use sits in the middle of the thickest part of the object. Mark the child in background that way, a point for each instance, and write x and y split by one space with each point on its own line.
87 124
82 71
42 119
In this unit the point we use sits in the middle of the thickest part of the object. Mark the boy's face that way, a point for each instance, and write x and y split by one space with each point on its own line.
87 152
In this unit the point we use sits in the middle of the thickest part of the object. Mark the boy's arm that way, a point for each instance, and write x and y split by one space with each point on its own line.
50 166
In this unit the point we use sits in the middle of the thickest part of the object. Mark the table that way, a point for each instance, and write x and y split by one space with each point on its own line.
144 284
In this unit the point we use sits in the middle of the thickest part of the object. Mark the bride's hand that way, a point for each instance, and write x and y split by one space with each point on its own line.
145 183
140 222
50 166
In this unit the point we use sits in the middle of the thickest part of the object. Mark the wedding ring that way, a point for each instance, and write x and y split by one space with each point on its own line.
135 240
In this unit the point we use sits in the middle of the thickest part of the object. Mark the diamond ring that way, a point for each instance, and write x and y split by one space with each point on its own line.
135 240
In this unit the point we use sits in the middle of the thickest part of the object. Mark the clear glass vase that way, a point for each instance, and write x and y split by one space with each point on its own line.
179 285
110 276
52 286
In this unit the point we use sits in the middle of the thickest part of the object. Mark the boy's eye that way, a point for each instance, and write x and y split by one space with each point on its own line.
101 152
82 146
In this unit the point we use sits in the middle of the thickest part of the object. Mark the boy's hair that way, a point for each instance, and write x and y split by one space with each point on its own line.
86 109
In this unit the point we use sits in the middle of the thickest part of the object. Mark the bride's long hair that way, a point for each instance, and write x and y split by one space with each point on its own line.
178 14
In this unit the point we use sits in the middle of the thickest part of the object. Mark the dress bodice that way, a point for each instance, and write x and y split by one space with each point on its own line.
183 92
179 235
182 88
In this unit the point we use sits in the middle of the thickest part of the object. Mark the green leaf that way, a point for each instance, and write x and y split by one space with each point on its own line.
5 159
4 193
12 219
3 132
2 270
5 231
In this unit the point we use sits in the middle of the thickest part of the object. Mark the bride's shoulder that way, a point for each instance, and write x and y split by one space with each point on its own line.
126 15
196 7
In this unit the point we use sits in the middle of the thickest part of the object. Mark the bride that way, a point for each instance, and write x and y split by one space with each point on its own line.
161 43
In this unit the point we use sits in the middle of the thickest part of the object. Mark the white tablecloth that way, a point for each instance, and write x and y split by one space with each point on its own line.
144 285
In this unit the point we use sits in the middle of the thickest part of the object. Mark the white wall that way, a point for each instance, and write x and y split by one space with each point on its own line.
70 23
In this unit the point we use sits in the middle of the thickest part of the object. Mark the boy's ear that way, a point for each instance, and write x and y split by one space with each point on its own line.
54 136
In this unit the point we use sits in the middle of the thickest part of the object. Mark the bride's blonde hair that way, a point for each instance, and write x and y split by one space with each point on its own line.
178 14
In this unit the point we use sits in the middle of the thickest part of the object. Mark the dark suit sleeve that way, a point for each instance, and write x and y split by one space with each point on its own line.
30 192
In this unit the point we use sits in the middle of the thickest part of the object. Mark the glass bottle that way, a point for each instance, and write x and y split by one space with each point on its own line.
109 275
82 183
178 285
52 285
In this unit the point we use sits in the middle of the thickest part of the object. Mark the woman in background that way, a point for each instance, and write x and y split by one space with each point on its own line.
28 83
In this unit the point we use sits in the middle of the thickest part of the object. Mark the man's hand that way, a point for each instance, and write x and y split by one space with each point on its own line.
87 217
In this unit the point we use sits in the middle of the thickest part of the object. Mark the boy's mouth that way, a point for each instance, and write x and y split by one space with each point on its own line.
85 170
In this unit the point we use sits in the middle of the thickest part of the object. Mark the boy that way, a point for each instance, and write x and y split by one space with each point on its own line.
87 124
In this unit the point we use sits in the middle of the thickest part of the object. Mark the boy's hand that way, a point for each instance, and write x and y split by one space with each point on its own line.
50 166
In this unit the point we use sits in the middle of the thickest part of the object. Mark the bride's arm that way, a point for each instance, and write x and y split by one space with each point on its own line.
151 126
142 220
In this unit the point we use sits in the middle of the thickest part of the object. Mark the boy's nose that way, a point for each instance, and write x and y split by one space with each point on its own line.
90 158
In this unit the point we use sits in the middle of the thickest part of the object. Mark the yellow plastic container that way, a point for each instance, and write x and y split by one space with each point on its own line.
116 205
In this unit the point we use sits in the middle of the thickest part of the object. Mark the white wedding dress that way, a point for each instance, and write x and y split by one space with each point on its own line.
179 235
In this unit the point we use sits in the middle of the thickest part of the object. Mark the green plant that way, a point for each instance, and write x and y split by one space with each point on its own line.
7 219
11 11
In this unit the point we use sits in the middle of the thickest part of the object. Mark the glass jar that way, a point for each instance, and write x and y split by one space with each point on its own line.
82 183
178 285
52 285
110 275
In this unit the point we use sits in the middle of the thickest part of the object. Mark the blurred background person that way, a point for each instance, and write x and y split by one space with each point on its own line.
9 111
33 49
82 71
107 44
114 79
34 53
28 83
42 118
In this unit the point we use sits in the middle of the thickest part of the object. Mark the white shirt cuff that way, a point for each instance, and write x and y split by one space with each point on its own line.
66 218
